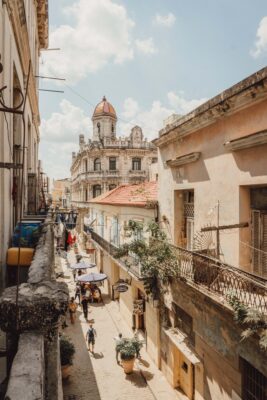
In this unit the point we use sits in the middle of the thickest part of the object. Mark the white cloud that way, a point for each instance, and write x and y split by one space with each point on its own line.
101 32
60 137
261 42
151 120
130 108
64 126
181 105
146 46
165 20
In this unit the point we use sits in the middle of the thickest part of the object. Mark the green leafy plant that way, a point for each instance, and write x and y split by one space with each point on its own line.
127 349
67 350
253 321
159 265
137 344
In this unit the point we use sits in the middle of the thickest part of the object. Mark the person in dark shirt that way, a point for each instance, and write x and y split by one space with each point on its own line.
78 293
85 307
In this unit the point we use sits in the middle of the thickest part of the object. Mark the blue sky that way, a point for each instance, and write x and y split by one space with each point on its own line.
150 58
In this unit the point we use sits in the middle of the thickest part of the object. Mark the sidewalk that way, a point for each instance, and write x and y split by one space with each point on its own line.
98 376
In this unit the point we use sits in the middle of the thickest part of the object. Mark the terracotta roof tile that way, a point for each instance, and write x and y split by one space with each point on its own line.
130 195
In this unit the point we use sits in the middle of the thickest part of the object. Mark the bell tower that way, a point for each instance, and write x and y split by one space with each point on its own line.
104 121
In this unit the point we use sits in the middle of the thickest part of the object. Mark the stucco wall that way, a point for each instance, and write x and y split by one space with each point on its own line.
219 175
217 343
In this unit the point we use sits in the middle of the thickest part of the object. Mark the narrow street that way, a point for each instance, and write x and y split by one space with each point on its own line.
98 376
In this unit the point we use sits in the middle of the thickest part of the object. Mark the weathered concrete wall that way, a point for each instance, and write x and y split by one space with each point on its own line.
28 371
153 332
217 342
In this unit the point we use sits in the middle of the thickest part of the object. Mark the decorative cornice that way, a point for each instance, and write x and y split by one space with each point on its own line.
245 142
182 160
242 95
42 20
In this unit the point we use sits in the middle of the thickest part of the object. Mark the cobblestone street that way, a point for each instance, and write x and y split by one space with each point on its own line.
98 376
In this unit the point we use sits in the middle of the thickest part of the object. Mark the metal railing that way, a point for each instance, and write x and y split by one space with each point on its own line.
137 172
130 262
221 279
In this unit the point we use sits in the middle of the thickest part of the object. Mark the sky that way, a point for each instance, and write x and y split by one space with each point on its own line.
149 58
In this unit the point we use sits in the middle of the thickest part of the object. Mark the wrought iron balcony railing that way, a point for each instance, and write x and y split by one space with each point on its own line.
221 279
131 263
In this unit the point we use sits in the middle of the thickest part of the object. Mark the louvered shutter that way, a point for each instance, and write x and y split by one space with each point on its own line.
190 233
256 240
264 245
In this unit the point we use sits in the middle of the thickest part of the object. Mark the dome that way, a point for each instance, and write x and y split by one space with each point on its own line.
104 108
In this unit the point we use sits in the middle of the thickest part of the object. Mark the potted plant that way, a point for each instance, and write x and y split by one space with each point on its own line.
67 351
127 351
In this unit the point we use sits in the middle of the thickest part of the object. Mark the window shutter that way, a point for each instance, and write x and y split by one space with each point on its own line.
190 233
256 239
264 246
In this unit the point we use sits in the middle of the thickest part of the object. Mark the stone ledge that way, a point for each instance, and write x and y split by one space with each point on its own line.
39 306
27 374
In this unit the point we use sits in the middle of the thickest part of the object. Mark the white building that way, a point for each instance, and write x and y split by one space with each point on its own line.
107 161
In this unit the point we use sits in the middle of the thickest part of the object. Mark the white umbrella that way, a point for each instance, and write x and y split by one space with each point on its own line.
82 265
92 277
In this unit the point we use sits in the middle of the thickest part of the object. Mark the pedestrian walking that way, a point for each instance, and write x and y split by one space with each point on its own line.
72 310
118 340
90 337
78 293
85 306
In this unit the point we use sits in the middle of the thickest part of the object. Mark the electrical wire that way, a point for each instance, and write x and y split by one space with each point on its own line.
119 117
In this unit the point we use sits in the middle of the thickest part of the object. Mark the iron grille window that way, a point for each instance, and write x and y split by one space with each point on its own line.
112 163
97 164
96 190
136 164
259 242
254 383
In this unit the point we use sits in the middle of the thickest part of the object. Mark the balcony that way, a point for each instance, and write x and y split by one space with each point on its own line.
137 174
96 175
80 204
130 264
112 174
221 280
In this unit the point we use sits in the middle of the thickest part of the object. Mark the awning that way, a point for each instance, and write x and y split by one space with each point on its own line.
179 340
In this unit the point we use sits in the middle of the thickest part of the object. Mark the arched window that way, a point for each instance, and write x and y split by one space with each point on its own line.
111 187
96 190
97 164
98 127
112 129
136 164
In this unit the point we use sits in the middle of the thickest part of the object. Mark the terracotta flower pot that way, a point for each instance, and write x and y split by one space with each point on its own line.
128 365
65 371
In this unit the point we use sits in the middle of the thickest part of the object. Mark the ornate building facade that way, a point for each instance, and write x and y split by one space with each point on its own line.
107 161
